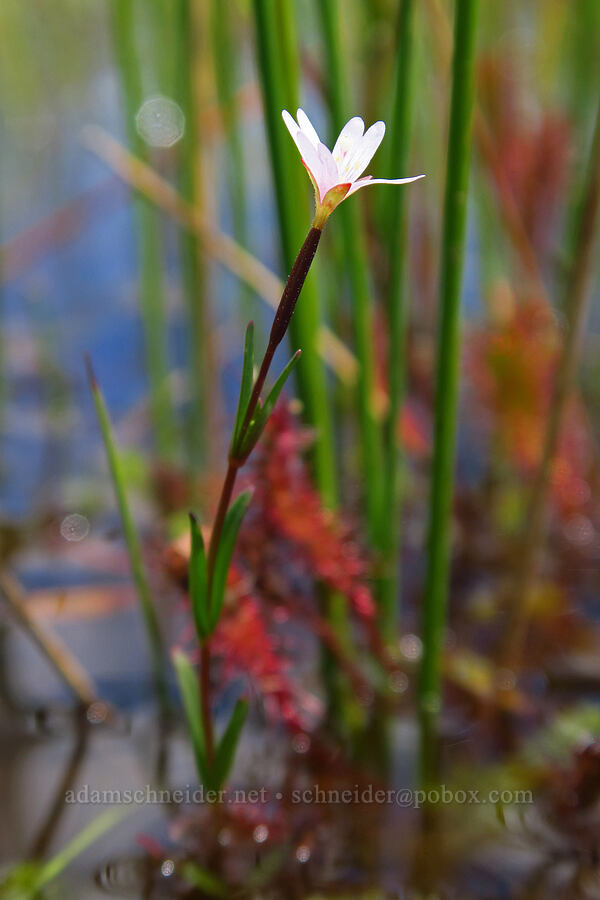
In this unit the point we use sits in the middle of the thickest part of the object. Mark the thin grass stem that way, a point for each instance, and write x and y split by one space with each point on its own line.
152 300
355 260
225 56
397 316
192 268
447 376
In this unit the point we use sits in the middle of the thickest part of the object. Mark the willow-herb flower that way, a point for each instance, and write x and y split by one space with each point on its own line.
335 175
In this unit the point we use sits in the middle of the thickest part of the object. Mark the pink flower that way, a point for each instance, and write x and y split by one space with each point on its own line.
335 175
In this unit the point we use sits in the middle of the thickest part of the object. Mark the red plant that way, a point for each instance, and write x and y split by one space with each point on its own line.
532 152
288 544
512 365
287 506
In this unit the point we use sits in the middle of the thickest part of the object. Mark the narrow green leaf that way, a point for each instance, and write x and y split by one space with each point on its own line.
233 520
228 745
132 538
84 839
192 705
258 423
198 580
245 387
205 881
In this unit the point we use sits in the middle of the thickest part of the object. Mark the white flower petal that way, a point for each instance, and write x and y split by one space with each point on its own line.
347 141
312 161
292 127
368 179
328 168
358 161
307 128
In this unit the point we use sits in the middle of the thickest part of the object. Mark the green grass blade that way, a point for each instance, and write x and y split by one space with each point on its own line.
231 526
291 185
187 679
397 315
198 580
132 540
447 376
84 839
228 744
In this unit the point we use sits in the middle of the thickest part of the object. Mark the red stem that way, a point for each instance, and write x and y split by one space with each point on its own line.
205 694
281 321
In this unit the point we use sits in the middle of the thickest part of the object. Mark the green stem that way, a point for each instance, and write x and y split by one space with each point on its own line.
355 259
225 55
290 187
133 543
148 237
341 702
192 268
447 376
397 316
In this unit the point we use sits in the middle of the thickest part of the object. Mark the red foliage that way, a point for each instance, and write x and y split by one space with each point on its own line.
287 543
531 152
288 506
512 365
247 648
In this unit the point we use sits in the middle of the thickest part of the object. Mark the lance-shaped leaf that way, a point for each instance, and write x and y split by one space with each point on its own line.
231 526
225 753
261 417
198 580
245 390
192 706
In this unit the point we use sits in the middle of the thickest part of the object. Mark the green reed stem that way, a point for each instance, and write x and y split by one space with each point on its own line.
191 260
355 259
285 16
132 540
397 315
447 376
148 237
290 187
575 304
225 54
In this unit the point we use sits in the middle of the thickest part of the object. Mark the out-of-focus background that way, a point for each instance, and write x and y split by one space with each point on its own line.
137 141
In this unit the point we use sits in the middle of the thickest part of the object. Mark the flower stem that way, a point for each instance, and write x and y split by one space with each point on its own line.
447 376
205 695
277 81
281 321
